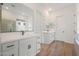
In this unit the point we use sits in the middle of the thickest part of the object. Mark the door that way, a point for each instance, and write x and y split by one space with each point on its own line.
60 26
65 28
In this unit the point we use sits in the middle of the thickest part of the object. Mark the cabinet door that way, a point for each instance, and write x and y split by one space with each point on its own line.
10 49
76 48
27 47
38 44
34 46
23 47
12 52
31 45
51 37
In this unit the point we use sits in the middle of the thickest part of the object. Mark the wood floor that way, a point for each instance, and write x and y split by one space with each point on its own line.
57 48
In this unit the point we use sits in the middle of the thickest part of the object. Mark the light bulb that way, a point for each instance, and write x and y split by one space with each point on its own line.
7 8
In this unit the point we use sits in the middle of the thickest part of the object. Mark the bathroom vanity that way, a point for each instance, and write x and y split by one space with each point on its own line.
77 45
48 37
17 37
19 45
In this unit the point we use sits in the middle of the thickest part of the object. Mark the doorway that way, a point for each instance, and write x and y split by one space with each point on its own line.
65 29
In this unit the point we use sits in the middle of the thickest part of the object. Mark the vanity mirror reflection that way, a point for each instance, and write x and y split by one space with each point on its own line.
16 17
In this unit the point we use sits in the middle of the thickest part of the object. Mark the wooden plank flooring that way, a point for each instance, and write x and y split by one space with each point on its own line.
57 48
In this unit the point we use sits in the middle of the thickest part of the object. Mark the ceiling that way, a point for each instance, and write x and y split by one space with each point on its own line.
23 8
17 8
45 6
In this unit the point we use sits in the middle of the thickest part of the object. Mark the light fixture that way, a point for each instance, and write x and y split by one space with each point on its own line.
46 13
50 9
7 7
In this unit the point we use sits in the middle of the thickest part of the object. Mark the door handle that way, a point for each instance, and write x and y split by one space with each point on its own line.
62 31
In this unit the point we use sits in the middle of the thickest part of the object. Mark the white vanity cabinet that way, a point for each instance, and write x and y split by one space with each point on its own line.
27 46
10 49
31 46
48 37
38 44
23 47
76 47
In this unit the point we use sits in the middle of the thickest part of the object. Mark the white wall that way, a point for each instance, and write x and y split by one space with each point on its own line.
77 6
70 9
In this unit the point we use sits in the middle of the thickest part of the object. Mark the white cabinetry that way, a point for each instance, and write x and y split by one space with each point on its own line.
31 46
27 47
10 49
23 47
48 37
76 47
38 45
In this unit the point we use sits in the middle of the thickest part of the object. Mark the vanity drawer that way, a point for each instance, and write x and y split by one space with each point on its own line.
13 52
10 45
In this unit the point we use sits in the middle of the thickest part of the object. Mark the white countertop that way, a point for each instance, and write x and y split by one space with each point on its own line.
48 31
8 37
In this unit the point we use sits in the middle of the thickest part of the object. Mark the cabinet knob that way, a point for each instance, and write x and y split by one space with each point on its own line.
12 55
62 31
29 46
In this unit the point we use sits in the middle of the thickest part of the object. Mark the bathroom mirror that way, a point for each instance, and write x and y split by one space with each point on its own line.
50 26
16 17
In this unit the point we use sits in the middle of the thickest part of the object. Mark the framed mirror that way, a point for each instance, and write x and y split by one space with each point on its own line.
16 17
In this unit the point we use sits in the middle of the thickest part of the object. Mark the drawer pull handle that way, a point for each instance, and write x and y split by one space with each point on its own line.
10 46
